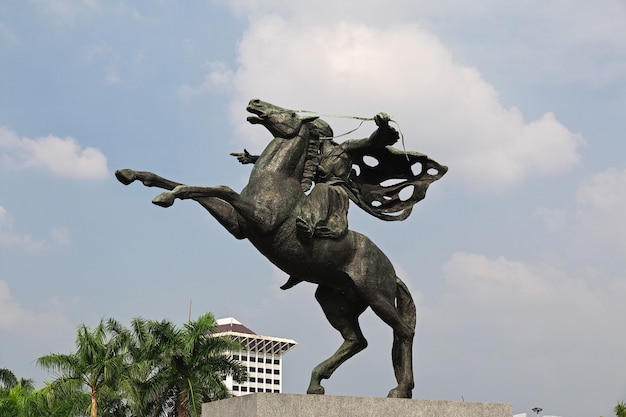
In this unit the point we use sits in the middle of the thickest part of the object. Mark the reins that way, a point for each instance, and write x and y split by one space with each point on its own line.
362 119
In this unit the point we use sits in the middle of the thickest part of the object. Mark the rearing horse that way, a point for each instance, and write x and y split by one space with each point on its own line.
352 273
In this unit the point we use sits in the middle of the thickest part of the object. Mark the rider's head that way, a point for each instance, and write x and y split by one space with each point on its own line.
322 128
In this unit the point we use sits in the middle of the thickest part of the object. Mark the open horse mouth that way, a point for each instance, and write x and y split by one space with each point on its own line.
255 120
255 107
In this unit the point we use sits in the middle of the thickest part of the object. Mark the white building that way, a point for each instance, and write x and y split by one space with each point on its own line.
262 355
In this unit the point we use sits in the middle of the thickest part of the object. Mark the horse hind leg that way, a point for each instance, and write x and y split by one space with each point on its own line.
223 212
402 321
149 179
342 309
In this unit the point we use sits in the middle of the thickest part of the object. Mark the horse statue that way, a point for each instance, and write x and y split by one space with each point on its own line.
350 271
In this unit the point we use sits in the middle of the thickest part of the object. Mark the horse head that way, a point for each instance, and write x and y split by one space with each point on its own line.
281 122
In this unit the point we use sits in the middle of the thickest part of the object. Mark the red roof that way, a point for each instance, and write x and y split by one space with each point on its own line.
232 325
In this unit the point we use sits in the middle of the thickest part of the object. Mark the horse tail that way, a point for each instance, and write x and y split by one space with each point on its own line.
405 304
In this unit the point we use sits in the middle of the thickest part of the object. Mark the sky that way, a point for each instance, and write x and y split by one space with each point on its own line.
515 259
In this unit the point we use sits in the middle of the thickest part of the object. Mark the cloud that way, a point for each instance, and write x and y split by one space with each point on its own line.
27 334
64 158
443 108
11 239
596 225
563 41
533 325
218 79
67 10
61 236
12 315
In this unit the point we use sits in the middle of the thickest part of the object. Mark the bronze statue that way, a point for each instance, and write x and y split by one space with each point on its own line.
298 233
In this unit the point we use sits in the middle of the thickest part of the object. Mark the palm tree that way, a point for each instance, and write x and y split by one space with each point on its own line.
8 378
620 409
96 364
59 400
174 370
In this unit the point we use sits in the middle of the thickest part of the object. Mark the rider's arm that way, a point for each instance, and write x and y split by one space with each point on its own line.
383 136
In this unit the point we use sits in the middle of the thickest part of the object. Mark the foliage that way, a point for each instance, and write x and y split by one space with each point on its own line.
620 409
172 371
152 369
16 395
96 365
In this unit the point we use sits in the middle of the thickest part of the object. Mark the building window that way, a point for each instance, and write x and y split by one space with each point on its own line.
252 389
268 360
268 390
236 357
244 389
276 361
244 358
277 382
235 387
276 391
252 369
252 379
276 372
252 359
268 381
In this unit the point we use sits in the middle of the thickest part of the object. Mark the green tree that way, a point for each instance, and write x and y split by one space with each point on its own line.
172 371
16 395
7 378
620 409
96 365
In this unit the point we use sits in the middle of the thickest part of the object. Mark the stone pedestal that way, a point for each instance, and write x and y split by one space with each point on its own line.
302 405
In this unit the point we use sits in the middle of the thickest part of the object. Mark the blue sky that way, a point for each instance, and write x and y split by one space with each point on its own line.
515 258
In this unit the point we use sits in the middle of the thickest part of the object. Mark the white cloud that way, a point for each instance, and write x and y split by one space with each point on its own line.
61 236
12 315
541 330
67 10
444 108
219 78
10 239
27 334
64 158
596 225
533 41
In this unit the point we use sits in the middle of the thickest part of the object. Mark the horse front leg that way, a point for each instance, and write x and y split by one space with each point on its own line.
223 212
254 213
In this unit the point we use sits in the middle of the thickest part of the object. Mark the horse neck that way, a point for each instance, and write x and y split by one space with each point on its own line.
284 157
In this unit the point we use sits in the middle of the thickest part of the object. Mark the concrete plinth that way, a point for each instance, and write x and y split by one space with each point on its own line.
301 405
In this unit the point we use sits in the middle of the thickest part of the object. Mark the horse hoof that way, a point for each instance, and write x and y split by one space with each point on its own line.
319 390
165 199
125 176
399 393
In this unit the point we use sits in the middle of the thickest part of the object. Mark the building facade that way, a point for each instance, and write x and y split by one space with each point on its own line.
262 355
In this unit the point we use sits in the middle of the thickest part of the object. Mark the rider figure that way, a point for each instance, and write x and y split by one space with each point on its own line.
324 212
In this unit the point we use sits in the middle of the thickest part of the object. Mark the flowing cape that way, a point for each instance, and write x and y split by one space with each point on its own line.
381 174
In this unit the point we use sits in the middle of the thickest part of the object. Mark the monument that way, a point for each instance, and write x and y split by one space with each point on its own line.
307 235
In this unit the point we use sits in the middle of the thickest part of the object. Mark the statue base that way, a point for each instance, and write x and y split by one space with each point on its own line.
303 405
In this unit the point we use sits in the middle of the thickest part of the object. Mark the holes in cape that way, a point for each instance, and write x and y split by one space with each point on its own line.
406 193
370 161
